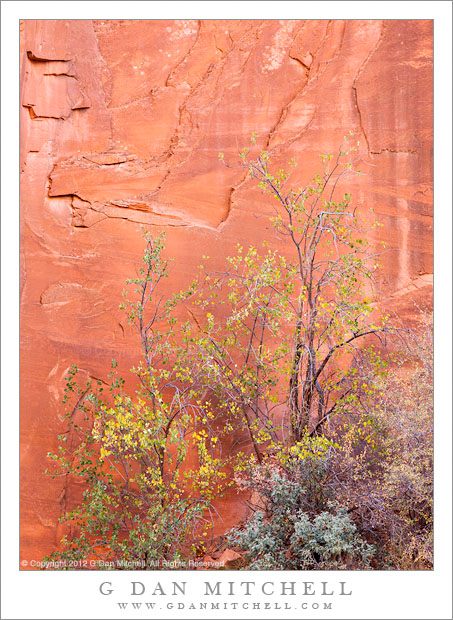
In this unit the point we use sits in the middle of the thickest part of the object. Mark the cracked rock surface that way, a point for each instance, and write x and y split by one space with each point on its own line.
121 125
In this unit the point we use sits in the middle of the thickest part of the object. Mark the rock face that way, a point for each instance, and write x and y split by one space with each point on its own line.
121 125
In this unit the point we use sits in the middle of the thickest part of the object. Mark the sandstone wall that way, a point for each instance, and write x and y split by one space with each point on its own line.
121 124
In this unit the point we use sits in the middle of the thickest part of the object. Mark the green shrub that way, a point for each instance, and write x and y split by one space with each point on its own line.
143 503
296 524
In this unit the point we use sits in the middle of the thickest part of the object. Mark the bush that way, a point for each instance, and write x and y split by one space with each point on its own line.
143 505
386 473
360 496
297 525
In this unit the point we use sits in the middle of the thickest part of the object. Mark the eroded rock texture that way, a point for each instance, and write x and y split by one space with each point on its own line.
121 125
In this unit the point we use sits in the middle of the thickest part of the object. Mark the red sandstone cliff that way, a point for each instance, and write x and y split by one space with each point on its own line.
121 124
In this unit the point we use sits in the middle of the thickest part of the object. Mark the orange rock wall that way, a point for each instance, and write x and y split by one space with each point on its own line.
121 124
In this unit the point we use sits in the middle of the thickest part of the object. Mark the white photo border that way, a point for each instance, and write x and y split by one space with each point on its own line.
75 594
